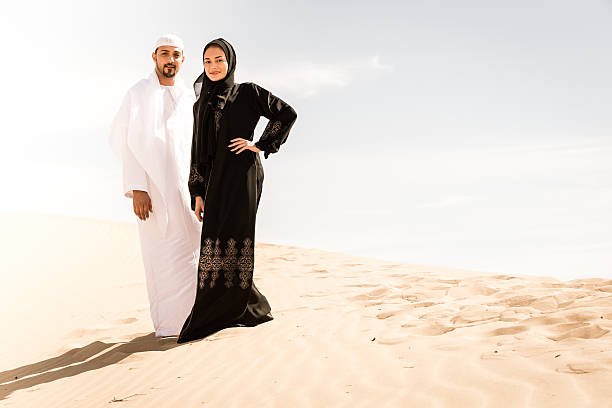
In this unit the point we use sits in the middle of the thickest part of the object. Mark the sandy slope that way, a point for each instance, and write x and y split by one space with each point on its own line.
348 332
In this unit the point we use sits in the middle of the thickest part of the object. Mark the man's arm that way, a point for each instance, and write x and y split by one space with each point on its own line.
134 176
136 185
135 180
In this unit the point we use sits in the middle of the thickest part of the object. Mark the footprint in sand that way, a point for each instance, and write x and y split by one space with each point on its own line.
435 330
546 304
127 320
386 315
315 294
463 291
588 332
503 277
565 327
579 368
583 317
444 288
424 304
544 320
394 340
411 298
504 331
283 258
373 294
512 316
517 301
475 317
409 281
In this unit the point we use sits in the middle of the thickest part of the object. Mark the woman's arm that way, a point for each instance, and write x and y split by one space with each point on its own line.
281 118
197 182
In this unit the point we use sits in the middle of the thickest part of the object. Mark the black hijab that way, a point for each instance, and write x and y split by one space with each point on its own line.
212 96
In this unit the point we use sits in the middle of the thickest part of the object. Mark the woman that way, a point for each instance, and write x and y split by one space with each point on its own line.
225 183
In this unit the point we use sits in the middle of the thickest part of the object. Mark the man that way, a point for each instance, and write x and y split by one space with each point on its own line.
152 135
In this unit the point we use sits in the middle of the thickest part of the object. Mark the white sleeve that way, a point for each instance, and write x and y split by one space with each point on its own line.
134 176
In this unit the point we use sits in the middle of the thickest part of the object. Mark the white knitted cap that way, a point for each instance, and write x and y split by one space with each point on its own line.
169 39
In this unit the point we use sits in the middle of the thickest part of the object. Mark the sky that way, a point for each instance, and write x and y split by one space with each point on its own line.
473 134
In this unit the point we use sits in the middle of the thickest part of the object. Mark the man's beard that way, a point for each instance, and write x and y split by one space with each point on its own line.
168 70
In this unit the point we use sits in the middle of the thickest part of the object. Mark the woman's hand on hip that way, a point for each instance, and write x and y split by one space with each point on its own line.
239 145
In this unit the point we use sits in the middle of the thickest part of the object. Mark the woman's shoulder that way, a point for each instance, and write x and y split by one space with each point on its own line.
250 87
248 91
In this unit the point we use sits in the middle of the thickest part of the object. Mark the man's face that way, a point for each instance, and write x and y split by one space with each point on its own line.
168 60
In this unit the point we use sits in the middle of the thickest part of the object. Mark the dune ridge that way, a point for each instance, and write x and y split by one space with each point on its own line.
348 331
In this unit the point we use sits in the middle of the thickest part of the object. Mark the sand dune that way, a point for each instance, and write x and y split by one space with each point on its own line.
347 332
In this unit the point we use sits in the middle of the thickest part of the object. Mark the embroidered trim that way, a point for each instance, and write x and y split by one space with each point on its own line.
195 176
229 264
245 263
212 262
272 128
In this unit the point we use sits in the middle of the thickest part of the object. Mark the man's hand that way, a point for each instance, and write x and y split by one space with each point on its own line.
199 208
142 204
239 145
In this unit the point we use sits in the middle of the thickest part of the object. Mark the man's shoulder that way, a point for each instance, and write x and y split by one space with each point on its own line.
136 92
142 84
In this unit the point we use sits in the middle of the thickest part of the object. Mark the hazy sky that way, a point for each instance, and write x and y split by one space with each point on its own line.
469 133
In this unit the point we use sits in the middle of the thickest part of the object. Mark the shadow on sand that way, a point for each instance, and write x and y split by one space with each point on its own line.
79 360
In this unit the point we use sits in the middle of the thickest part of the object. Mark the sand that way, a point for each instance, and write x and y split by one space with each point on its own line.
348 332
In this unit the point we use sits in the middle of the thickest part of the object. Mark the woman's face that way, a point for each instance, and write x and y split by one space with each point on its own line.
215 63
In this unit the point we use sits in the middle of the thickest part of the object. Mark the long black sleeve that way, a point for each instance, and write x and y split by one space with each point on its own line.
198 179
281 116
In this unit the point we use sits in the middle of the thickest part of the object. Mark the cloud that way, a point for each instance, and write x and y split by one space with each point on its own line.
376 64
307 79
